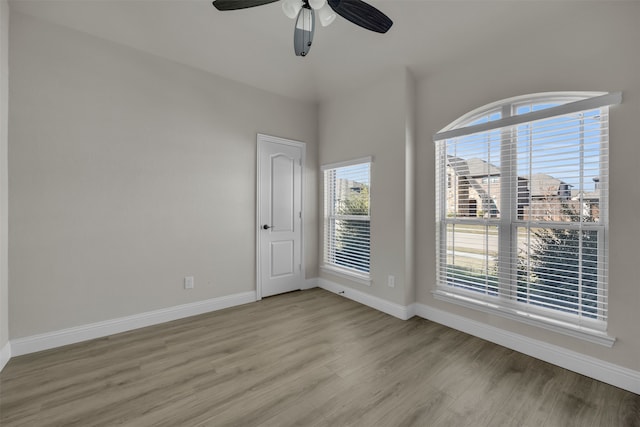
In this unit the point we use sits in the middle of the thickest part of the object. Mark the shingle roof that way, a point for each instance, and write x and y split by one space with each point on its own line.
540 185
472 168
544 185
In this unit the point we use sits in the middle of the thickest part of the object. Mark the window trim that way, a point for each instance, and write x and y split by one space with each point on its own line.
582 328
352 162
602 100
532 318
347 273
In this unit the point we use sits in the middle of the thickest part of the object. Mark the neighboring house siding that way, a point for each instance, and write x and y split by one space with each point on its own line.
473 190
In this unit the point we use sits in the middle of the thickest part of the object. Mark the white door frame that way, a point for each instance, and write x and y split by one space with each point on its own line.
262 138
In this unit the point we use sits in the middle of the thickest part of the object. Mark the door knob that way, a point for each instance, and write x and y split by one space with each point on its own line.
266 227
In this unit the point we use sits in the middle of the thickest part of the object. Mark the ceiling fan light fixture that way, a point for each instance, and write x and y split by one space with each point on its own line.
303 32
358 12
291 8
317 4
326 15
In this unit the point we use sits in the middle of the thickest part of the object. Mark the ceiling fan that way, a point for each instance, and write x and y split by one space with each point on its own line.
304 11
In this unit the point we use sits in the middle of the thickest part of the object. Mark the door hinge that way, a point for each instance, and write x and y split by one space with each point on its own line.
300 267
300 214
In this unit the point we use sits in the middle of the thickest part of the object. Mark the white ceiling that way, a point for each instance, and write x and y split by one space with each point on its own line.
255 46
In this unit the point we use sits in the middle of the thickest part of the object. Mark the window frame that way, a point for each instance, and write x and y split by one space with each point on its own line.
509 222
330 216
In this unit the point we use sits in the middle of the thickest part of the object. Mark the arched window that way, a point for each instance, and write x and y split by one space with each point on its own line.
521 200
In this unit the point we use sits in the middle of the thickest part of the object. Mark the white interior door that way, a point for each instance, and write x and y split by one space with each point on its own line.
279 242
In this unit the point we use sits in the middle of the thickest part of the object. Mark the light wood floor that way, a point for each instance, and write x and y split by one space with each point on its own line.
307 358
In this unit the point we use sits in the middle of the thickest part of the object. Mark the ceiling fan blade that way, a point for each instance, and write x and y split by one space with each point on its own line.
239 4
304 30
362 14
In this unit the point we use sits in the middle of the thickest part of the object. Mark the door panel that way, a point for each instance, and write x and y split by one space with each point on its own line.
282 194
282 258
279 242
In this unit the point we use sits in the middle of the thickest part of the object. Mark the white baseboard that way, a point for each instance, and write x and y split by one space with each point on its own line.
5 355
77 334
411 310
595 368
393 309
609 373
309 284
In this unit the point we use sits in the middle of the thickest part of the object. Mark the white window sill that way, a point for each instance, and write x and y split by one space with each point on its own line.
363 279
577 331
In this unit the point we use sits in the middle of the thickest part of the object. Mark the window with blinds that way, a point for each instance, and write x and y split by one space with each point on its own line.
347 218
522 211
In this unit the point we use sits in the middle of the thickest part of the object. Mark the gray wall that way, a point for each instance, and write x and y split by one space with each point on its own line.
4 121
374 121
129 172
596 50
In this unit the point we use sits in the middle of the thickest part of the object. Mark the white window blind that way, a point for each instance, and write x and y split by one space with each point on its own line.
347 217
522 212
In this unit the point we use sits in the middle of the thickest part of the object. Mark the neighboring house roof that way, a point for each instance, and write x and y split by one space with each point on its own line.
542 185
472 168
586 195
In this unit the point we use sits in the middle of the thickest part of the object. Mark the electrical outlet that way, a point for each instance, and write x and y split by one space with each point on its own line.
391 281
189 282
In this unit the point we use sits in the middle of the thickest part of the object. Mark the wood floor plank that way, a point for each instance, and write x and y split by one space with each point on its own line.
616 407
311 359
